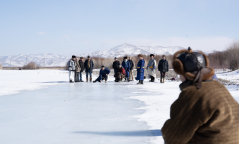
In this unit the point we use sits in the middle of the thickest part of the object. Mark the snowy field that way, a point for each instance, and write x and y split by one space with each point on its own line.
40 106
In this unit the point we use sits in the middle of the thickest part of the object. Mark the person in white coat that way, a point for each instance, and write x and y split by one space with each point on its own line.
151 68
72 69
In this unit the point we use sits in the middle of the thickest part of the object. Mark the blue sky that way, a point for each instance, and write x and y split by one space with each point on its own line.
80 26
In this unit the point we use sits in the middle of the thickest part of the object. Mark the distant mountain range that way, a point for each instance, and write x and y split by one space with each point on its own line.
51 60
128 49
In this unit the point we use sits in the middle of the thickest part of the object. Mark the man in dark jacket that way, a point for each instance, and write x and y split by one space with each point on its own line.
131 72
81 63
103 75
163 68
115 65
126 66
205 112
89 66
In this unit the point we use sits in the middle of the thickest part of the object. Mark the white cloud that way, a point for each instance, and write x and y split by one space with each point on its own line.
41 33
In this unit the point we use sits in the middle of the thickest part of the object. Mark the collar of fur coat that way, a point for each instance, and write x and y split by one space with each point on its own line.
188 83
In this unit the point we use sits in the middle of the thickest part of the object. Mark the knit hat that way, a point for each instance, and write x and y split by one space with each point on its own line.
152 55
193 65
88 56
125 57
115 58
81 57
140 55
73 56
102 66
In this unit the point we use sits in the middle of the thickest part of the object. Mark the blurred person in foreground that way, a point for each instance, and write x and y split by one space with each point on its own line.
151 68
89 66
72 69
205 112
120 74
163 68
140 70
103 74
126 66
131 70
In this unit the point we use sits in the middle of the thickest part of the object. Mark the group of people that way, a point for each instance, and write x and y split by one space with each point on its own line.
204 113
77 67
122 71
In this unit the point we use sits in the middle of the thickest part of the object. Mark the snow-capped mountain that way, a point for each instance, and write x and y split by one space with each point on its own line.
50 60
43 60
128 49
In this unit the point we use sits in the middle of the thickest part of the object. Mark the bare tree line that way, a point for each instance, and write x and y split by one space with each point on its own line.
226 59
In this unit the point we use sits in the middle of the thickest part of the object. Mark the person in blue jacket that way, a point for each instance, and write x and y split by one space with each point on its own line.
103 75
140 70
126 66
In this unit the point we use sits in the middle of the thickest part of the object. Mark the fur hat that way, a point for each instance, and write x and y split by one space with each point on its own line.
152 55
140 55
73 56
193 65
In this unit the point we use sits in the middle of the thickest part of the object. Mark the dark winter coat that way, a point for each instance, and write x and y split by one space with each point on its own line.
103 73
163 65
140 70
81 63
131 64
116 65
126 66
209 115
87 69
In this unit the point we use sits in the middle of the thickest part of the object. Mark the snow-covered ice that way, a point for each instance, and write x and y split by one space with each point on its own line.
54 111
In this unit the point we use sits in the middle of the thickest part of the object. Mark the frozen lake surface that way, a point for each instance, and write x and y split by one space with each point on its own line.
80 113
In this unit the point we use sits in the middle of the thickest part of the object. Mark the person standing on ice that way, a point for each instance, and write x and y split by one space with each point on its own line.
115 65
163 68
131 72
151 68
81 63
103 75
89 66
72 69
205 112
77 71
126 66
140 70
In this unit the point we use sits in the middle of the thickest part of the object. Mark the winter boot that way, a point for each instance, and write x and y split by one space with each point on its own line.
94 81
105 81
87 79
71 81
163 80
142 82
90 79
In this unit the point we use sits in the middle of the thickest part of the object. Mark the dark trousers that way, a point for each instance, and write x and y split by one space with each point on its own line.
80 76
77 76
162 74
103 78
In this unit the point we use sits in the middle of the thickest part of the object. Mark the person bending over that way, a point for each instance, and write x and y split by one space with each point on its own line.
103 75
120 75
205 112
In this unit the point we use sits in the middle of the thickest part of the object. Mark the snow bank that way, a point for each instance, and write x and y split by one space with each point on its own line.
15 81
